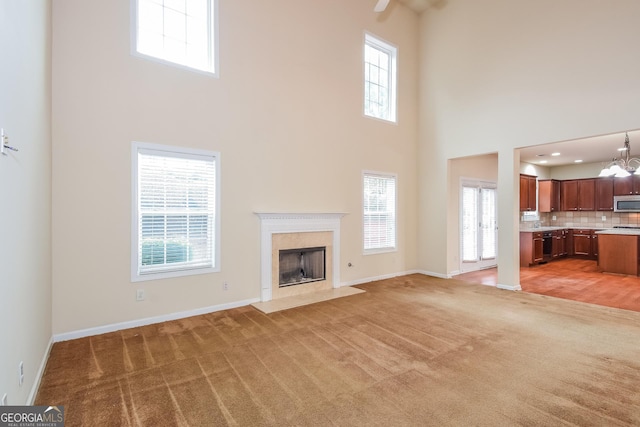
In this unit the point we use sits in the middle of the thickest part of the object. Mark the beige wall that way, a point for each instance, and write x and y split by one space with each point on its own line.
585 170
285 114
25 195
501 74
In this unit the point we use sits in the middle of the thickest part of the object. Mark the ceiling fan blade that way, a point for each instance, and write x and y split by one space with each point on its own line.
381 6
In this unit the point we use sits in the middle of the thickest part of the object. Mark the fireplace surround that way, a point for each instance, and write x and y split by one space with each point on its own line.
285 231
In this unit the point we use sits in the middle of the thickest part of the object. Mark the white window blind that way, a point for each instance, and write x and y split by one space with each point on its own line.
176 211
177 31
379 79
379 212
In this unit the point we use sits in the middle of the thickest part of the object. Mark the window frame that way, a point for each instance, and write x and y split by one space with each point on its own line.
382 249
393 51
136 148
212 34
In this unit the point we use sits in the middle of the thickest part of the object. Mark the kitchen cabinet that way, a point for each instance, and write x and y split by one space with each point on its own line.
528 197
619 253
578 194
549 195
531 249
626 186
559 243
604 194
569 192
583 243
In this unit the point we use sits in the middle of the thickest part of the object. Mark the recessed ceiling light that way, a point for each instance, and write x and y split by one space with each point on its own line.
622 149
577 161
542 162
555 154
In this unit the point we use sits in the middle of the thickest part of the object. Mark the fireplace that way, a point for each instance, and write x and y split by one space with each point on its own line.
301 265
282 233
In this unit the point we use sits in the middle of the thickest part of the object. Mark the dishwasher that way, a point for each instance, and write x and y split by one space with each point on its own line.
547 245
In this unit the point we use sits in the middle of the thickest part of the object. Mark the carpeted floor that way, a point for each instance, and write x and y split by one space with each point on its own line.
413 350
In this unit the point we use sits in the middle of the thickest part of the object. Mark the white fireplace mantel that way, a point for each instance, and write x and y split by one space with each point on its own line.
273 223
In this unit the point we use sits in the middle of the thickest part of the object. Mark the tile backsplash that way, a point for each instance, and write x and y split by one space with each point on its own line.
592 219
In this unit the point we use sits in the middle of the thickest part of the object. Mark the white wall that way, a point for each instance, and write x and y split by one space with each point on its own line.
25 195
285 114
501 74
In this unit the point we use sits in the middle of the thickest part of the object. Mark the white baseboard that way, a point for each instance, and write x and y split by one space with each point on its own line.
509 287
36 384
149 320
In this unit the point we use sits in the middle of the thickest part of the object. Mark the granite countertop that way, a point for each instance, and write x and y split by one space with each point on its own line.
533 230
620 231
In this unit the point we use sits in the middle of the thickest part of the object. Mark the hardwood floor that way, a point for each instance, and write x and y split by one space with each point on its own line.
571 278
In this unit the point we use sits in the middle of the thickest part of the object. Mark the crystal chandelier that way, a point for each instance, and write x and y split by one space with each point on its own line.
625 165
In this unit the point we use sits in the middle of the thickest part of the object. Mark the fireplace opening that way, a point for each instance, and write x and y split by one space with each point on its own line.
302 265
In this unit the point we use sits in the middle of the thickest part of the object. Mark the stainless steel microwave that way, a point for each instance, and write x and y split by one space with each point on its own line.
626 203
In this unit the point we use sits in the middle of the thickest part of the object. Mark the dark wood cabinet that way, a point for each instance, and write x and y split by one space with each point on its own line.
585 243
531 248
559 244
620 254
548 195
528 197
604 194
578 194
569 198
587 194
626 186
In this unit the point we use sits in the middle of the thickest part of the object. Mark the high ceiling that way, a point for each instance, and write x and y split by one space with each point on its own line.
589 150
598 149
417 5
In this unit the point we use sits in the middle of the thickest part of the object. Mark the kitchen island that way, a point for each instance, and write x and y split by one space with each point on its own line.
618 251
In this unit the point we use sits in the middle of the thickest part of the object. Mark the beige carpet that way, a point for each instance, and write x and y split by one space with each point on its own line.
412 350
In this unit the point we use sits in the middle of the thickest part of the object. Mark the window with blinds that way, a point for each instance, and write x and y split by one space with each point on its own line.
175 212
177 31
379 212
379 78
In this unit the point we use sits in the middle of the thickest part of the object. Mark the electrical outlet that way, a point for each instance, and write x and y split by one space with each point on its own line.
604 217
21 373
140 295
4 400
225 286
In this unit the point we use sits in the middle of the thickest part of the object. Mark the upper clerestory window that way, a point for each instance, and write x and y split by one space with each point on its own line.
181 32
379 78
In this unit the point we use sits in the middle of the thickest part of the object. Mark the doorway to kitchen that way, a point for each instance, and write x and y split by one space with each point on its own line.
478 225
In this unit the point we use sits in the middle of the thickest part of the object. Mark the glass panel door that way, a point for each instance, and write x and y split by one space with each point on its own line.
478 226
